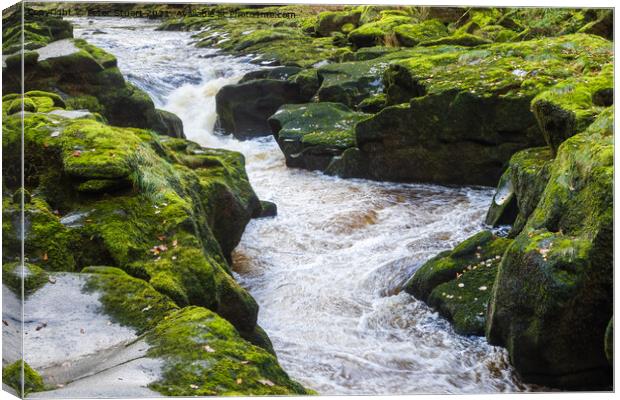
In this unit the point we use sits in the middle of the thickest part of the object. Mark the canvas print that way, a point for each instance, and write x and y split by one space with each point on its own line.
244 199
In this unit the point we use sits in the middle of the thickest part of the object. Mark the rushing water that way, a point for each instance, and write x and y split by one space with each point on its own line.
327 270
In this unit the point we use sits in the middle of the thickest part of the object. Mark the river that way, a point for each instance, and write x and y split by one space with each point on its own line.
327 270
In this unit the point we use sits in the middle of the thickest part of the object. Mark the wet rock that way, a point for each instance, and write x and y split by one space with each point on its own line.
570 106
435 132
310 135
503 209
458 283
411 35
336 21
268 209
277 73
100 81
168 124
551 302
243 109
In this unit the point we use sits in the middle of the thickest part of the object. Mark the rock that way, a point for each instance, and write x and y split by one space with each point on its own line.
458 283
552 299
503 209
174 225
570 106
442 108
100 82
308 81
268 209
602 26
310 135
38 30
411 35
529 171
444 267
277 73
520 188
168 124
463 39
32 276
378 32
243 109
334 21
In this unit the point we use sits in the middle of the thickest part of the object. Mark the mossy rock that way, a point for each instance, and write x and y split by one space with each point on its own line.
277 73
380 32
440 101
529 171
410 35
458 283
520 188
33 277
552 298
268 209
446 266
129 301
311 134
503 209
97 81
204 356
13 377
179 211
33 101
335 21
37 29
463 39
243 109
570 106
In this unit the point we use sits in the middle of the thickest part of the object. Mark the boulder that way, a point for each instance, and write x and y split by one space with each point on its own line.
458 283
79 70
447 125
311 135
334 21
520 188
243 109
411 35
552 298
570 106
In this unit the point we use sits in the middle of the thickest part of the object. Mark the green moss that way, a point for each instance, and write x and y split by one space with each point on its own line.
311 134
411 35
463 39
570 106
380 32
204 356
458 283
130 301
557 275
447 265
336 21
33 276
20 374
102 57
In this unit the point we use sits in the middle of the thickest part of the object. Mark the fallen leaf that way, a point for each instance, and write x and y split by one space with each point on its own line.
245 362
77 153
208 348
40 326
51 280
174 243
239 381
45 256
82 331
266 382
60 385
194 386
161 238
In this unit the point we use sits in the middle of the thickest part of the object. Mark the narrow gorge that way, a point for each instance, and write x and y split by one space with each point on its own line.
331 200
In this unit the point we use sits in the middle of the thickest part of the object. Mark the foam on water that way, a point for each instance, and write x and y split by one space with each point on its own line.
327 271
